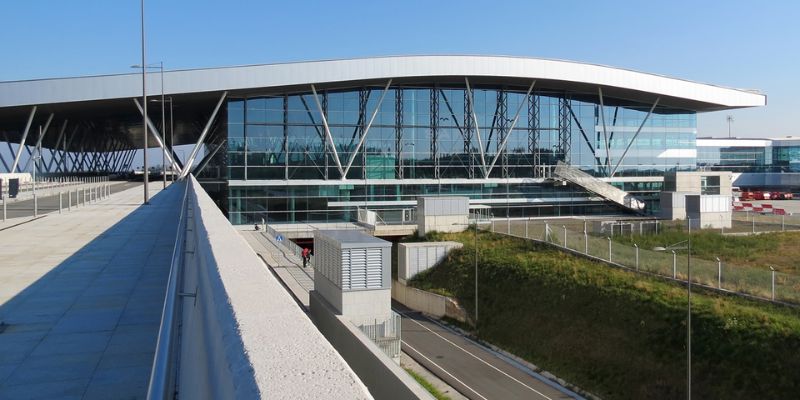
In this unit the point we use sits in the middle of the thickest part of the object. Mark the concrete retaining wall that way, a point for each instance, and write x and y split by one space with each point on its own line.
243 336
427 302
384 378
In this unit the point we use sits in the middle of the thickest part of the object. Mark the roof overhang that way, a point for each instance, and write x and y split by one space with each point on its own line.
512 71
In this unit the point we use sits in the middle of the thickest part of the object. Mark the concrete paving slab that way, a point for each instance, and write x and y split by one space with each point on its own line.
81 294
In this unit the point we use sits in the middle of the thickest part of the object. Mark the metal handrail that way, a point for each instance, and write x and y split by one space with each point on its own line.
160 374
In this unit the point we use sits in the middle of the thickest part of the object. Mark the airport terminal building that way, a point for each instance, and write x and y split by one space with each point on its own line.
316 141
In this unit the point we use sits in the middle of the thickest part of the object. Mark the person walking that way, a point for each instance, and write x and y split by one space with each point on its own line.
306 256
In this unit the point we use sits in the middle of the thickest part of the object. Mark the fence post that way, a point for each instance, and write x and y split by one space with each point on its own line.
674 265
546 232
783 225
636 246
60 197
35 205
754 224
508 225
773 283
69 200
585 243
609 249
719 273
565 235
526 228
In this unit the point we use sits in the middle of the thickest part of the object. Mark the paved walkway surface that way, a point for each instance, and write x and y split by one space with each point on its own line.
81 296
49 203
286 265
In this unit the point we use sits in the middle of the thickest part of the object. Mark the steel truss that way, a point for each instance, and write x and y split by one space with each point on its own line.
564 129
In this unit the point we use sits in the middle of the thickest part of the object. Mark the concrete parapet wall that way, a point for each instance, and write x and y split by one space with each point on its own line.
426 302
243 336
384 378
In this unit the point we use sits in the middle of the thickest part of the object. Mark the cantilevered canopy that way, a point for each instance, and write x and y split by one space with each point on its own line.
103 105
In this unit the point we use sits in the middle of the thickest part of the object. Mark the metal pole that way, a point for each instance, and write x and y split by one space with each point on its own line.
60 197
171 141
527 222
783 225
674 265
546 230
609 248
773 283
69 200
689 319
636 246
144 113
476 273
719 273
35 200
163 128
565 235
585 243
3 196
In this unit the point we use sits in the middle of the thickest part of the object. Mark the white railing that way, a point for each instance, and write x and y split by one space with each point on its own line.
386 334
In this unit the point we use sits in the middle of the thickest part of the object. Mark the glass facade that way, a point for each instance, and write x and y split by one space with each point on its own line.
745 158
284 165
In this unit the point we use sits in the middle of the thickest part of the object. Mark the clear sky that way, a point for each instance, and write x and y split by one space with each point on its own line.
742 44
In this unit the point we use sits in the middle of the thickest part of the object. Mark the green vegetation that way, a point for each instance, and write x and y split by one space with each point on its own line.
616 333
427 385
778 249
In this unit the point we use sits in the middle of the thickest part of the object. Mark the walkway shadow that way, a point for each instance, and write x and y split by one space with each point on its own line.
88 327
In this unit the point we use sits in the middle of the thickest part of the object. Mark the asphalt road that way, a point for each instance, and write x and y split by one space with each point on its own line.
473 370
49 204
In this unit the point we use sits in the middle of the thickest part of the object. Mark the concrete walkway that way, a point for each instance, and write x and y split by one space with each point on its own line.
81 295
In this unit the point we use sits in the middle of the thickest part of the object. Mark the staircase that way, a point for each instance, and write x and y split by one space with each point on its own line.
597 186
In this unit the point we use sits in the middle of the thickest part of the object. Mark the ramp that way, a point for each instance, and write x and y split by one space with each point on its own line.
597 186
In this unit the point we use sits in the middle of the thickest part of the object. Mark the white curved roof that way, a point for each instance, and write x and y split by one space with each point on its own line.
552 74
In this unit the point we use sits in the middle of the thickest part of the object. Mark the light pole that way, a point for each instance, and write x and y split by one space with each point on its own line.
159 65
144 112
688 307
730 120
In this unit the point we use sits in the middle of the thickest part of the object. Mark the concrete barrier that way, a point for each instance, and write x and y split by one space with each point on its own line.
426 302
242 335
384 378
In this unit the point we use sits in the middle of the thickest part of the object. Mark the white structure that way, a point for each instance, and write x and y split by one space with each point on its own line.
708 211
679 185
352 271
413 258
443 214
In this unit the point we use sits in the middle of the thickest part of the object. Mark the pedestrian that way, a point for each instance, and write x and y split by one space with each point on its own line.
306 256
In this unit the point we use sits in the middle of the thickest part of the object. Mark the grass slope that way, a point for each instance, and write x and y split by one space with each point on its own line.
617 334
779 249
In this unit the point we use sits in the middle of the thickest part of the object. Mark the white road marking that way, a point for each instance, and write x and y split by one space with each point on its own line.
481 360
443 370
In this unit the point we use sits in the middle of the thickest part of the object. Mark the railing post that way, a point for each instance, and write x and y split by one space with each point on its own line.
754 223
60 197
783 220
508 225
565 236
585 243
674 265
609 248
773 283
719 273
526 228
35 206
636 246
546 230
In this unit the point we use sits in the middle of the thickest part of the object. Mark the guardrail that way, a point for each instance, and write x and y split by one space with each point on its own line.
162 376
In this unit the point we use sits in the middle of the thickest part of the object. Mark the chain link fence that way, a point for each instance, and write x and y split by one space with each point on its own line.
668 262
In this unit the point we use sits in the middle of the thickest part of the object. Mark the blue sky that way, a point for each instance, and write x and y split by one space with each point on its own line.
743 44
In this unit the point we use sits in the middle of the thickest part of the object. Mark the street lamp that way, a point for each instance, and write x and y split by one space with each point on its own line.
476 268
144 67
688 308
171 130
144 111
